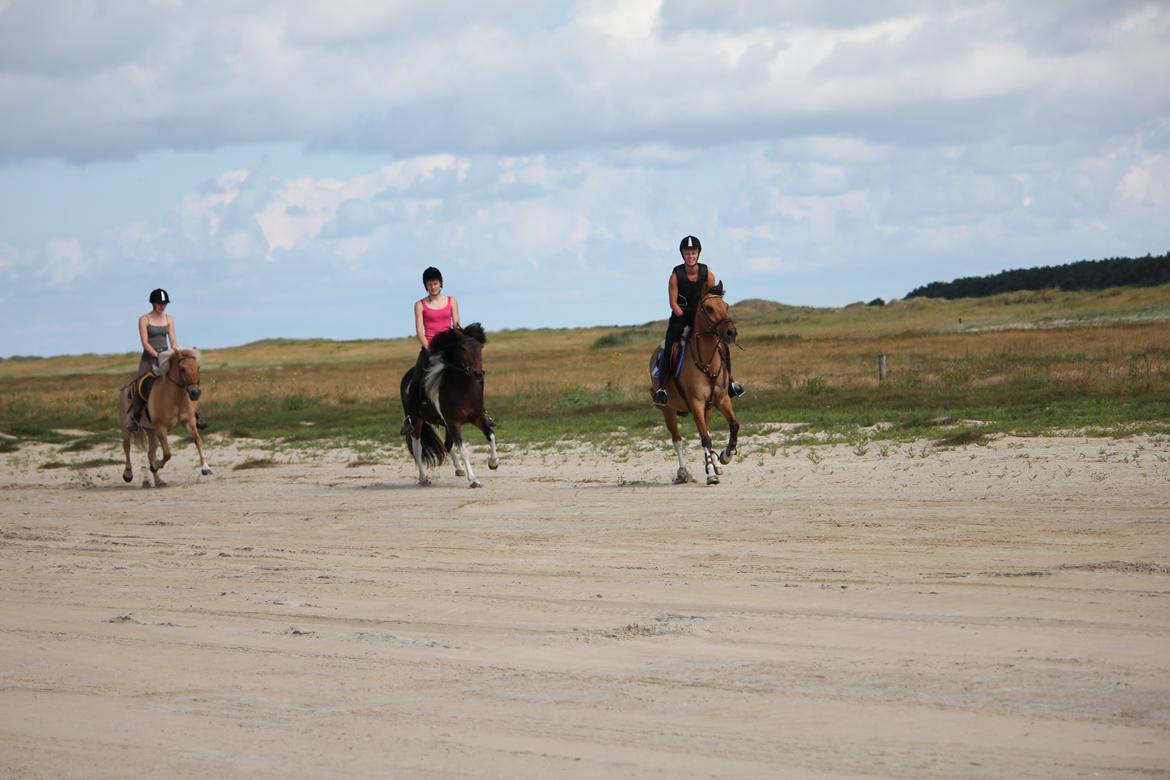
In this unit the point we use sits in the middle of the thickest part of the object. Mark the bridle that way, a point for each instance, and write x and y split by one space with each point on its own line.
178 369
719 330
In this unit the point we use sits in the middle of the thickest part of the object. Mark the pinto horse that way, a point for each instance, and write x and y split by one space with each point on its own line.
453 395
173 401
701 383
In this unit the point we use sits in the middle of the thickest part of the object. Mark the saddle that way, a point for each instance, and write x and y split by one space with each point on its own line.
678 351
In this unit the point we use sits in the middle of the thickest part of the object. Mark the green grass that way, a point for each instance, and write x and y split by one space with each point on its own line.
998 360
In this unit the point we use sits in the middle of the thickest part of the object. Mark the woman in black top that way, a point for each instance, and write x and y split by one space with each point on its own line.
686 284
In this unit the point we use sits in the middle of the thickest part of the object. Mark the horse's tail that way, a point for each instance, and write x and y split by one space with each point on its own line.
432 447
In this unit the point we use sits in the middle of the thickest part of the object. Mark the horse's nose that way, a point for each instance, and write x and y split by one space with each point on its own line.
194 392
478 375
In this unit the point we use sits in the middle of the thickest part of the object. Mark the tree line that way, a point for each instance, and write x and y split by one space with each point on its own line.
1145 271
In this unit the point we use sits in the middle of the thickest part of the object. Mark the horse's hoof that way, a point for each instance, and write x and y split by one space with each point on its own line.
712 480
725 457
475 485
683 477
127 476
460 473
146 483
424 482
493 464
205 472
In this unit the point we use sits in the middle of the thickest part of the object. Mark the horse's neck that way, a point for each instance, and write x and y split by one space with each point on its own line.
706 349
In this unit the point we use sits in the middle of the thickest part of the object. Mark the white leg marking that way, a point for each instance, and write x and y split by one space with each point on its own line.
493 459
471 480
416 448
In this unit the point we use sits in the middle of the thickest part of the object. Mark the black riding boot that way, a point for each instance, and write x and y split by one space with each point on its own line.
135 415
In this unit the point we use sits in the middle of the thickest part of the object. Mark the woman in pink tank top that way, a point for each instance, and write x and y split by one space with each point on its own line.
432 315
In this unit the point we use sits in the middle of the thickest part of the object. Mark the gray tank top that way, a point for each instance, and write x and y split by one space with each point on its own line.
157 336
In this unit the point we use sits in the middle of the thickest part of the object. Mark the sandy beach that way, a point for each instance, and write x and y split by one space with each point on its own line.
887 610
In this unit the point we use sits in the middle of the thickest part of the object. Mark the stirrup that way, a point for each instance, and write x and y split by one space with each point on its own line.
407 426
199 423
659 396
736 389
132 426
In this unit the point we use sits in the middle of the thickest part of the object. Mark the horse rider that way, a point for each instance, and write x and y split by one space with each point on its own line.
156 329
432 315
685 286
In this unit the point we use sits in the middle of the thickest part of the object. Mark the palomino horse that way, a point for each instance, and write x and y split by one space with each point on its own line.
453 395
701 383
173 401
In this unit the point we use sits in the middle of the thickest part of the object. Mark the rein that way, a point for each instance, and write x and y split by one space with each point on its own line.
705 367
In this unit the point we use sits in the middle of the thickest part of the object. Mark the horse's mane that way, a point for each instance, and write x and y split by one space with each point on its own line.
449 339
475 330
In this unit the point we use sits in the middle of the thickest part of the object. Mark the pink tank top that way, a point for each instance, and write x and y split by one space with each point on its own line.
435 321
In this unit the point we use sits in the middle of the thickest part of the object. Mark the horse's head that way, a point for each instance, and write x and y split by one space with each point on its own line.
713 310
462 349
185 368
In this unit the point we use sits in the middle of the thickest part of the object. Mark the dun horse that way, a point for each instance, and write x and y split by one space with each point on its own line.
453 395
172 401
700 384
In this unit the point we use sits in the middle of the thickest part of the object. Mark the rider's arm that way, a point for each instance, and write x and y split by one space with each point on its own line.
672 291
174 341
420 330
454 311
144 338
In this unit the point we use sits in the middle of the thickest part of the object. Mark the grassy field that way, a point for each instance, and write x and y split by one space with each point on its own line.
1021 362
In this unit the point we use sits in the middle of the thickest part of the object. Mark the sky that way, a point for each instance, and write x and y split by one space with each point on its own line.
287 168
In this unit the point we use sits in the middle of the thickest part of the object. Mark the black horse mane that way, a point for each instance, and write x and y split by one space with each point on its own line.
448 340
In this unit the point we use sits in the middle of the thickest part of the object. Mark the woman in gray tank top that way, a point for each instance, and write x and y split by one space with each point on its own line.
156 331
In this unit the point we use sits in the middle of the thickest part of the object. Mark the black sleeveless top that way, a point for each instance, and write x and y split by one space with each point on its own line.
688 291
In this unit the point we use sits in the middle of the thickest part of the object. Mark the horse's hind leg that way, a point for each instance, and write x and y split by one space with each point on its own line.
417 448
682 476
128 472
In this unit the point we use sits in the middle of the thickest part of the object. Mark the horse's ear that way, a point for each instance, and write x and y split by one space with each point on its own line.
475 331
196 354
717 289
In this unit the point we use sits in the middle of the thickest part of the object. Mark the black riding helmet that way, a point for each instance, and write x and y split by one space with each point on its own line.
159 296
432 273
690 242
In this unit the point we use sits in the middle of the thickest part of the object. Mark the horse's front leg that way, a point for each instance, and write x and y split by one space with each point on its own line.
728 412
457 439
488 426
204 469
699 412
166 458
448 444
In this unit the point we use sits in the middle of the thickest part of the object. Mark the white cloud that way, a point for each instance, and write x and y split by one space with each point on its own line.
63 260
